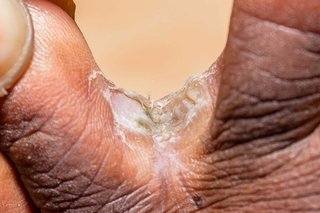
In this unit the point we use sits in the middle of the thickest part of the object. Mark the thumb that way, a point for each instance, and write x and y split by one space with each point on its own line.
270 81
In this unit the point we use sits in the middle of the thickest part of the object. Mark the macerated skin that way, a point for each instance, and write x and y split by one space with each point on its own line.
246 137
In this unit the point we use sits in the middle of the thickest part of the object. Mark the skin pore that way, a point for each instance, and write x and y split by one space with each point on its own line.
242 136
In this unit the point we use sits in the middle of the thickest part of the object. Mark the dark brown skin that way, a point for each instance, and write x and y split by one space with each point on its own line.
261 152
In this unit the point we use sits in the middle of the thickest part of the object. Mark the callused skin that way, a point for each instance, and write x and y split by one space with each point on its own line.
242 137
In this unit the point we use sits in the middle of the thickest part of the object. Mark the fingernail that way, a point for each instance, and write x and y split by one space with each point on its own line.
67 5
16 42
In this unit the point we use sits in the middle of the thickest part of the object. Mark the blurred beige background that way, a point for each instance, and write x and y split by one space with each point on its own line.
153 46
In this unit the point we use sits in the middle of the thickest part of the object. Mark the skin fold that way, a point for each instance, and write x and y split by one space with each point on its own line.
242 137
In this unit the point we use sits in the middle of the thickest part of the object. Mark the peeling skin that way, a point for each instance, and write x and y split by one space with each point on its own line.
164 118
134 118
181 119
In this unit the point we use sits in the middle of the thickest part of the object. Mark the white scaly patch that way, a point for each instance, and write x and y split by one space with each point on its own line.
131 114
162 119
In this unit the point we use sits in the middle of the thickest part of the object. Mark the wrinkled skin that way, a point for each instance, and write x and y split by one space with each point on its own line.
247 139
